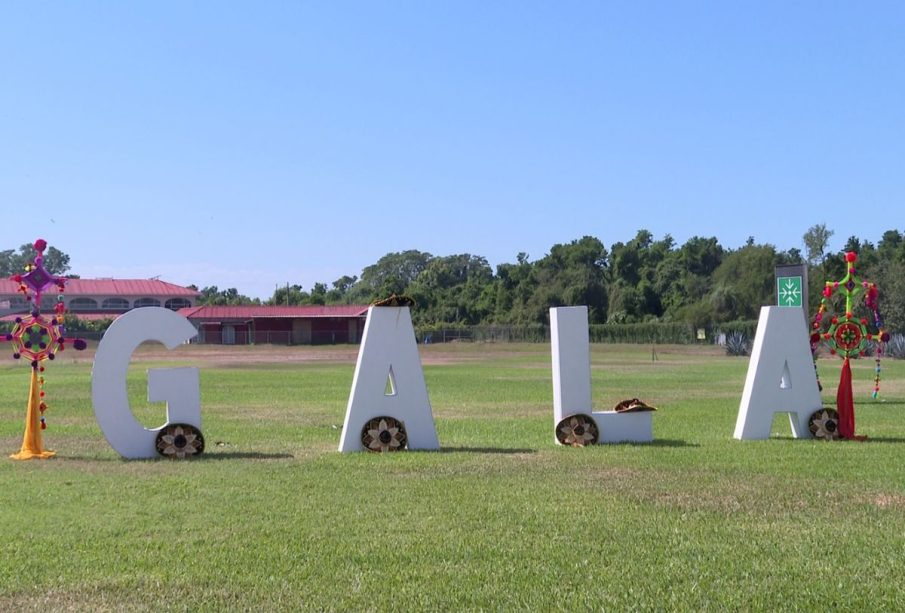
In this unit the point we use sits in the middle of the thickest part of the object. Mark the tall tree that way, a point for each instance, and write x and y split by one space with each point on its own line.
575 273
816 240
633 289
451 289
743 282
392 274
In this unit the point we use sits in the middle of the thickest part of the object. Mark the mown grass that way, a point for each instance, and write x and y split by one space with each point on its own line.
273 518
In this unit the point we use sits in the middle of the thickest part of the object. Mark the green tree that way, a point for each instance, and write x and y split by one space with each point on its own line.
392 274
634 285
338 293
743 283
289 295
214 296
451 289
816 240
892 246
14 262
512 288
571 274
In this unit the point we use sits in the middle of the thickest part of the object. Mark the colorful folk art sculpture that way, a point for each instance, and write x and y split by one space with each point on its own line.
849 335
37 339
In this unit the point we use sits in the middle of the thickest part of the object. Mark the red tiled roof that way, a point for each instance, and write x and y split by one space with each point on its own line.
218 313
112 287
81 316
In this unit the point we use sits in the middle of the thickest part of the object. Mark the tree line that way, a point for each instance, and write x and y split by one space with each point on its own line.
638 281
642 280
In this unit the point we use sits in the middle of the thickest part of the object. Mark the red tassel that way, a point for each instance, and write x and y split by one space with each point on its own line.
845 402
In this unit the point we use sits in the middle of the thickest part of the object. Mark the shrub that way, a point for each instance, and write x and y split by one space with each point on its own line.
679 333
737 344
895 348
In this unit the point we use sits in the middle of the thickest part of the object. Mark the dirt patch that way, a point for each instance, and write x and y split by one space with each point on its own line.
887 501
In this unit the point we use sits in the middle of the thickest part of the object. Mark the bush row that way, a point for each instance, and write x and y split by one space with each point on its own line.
659 333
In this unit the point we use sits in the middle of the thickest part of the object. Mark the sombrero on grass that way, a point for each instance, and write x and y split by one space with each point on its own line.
633 405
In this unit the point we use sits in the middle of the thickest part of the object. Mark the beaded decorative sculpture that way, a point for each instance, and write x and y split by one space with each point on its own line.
850 335
37 339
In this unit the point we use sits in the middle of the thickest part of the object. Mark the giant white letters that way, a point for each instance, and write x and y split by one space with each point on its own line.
781 377
570 344
389 381
178 387
571 349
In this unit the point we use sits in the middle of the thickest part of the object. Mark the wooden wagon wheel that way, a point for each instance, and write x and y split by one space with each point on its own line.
179 441
577 430
384 434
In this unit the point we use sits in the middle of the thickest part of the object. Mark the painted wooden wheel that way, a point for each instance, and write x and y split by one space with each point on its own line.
577 430
824 424
179 441
384 434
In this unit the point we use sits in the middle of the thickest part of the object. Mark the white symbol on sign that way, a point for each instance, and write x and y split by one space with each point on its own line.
790 293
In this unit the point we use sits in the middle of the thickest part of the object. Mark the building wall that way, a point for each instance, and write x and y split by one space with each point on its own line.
225 333
288 331
301 331
89 304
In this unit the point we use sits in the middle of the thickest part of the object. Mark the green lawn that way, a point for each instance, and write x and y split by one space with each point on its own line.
273 518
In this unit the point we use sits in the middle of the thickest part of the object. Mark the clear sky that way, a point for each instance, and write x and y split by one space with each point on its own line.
258 143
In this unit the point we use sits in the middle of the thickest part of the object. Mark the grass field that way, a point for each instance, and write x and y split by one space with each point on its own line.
273 518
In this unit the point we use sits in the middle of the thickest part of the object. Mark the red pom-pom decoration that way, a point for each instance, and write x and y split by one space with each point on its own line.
851 256
40 244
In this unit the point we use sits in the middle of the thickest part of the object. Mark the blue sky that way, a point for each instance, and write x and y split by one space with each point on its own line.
253 144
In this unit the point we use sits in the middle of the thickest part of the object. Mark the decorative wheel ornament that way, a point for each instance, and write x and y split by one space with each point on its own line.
824 424
38 339
384 434
35 338
577 430
849 337
179 441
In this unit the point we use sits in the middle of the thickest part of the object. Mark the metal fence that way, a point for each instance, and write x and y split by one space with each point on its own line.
483 334
649 333
280 337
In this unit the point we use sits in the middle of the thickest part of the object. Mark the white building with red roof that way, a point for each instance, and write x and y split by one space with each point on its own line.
99 299
93 299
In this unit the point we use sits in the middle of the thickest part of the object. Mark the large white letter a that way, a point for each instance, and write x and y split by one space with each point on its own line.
389 381
781 376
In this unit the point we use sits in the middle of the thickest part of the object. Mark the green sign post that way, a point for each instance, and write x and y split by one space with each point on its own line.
789 292
792 287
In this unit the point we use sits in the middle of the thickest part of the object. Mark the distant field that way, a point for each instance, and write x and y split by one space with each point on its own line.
273 518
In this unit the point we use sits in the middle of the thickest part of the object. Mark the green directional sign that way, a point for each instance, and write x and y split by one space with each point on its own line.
788 292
